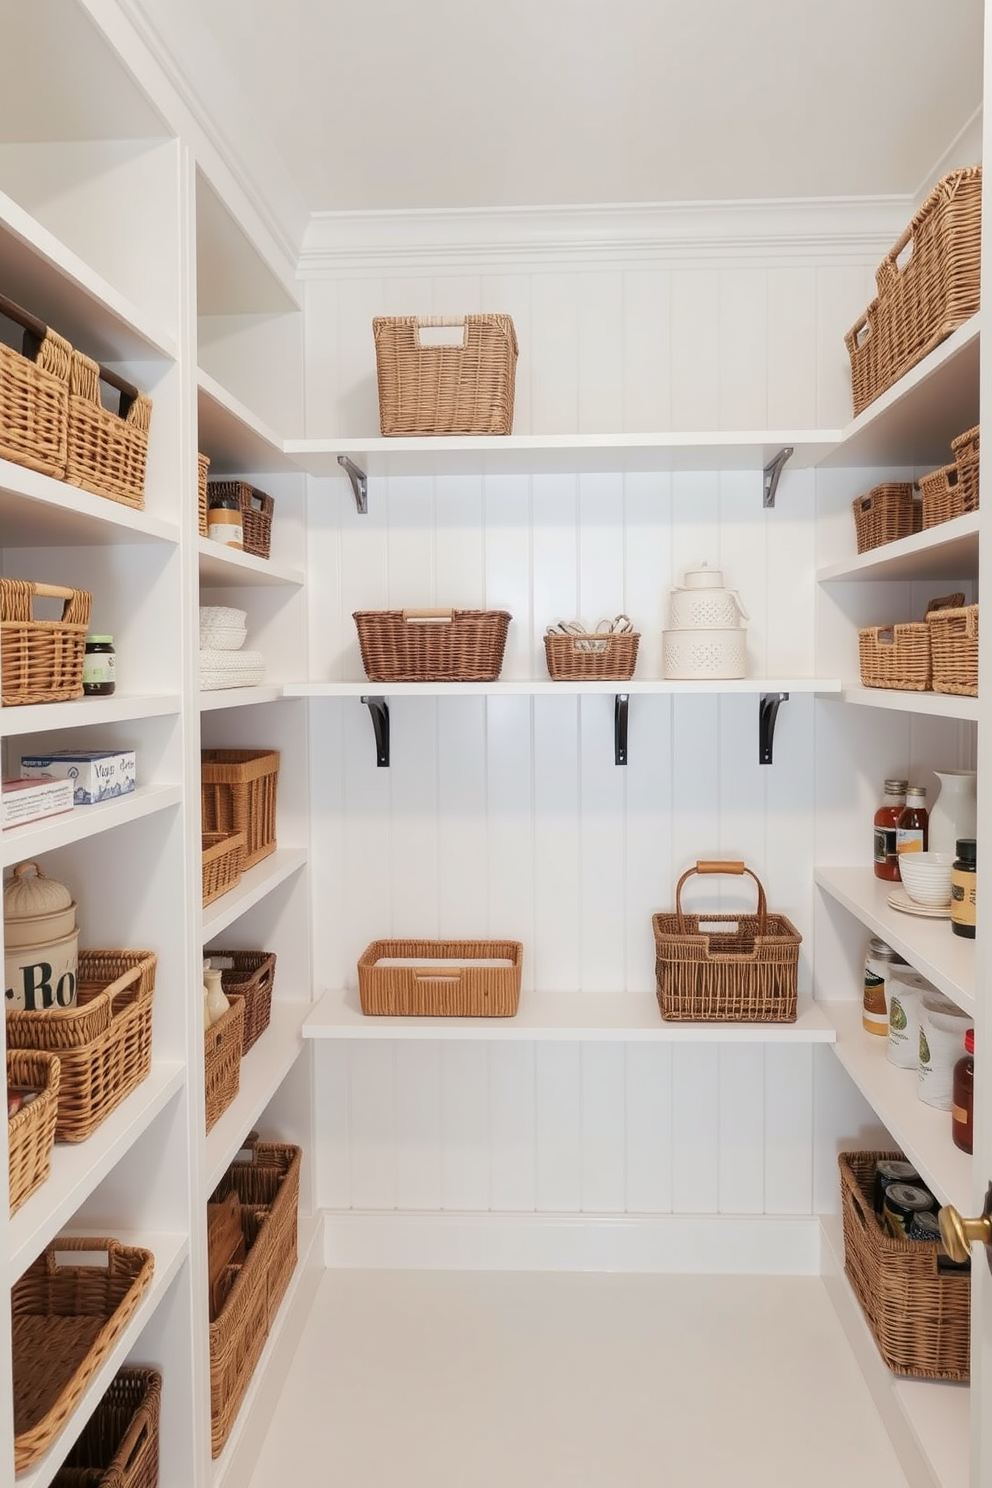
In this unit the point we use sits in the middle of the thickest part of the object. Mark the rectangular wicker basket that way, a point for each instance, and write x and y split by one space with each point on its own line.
257 508
431 388
923 298
432 645
743 970
118 1446
65 1319
885 514
41 661
587 658
919 1315
250 978
952 490
440 979
954 650
104 1043
238 794
34 395
222 1061
106 451
202 467
222 863
895 656
31 1131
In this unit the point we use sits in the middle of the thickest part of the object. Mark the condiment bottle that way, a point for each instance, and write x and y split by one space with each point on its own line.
217 1003
914 821
878 964
964 882
886 821
962 1097
224 524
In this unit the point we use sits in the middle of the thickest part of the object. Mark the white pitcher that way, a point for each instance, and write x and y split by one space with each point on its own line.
953 813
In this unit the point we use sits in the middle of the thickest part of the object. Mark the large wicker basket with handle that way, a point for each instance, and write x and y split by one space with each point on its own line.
118 1446
107 450
41 661
34 395
744 969
436 383
432 645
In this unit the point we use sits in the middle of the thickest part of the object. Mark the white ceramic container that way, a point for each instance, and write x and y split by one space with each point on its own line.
700 655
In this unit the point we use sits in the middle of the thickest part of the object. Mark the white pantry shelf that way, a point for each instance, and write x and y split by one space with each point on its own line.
85 821
36 509
947 551
253 887
226 568
544 687
235 439
238 697
934 704
86 713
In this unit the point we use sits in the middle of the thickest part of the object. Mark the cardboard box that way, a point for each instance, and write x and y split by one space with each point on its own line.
96 774
23 801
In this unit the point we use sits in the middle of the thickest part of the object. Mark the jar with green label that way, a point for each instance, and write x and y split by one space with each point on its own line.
99 666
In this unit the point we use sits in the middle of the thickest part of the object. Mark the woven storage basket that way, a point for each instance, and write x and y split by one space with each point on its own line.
238 794
224 669
268 1174
895 656
430 388
922 299
885 514
954 650
250 978
238 1333
104 1043
455 988
256 514
31 1132
953 490
65 1319
223 863
107 451
432 645
202 467
577 658
34 395
744 970
222 1043
222 628
919 1316
118 1446
41 661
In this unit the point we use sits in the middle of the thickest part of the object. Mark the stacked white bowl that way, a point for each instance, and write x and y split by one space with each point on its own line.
223 663
926 877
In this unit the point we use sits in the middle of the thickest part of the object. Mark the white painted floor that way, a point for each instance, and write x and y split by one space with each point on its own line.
439 1379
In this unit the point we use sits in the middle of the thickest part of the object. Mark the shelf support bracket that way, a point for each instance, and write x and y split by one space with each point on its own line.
772 474
620 703
767 716
379 714
359 483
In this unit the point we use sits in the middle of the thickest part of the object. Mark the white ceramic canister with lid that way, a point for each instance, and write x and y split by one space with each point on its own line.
942 1030
41 941
702 602
905 989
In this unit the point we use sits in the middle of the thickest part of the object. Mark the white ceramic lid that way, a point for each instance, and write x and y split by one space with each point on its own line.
28 891
703 577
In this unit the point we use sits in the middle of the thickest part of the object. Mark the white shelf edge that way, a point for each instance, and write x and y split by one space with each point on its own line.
887 559
238 697
931 364
254 886
60 496
263 1069
78 1167
544 687
934 704
582 1017
234 409
221 567
86 713
85 821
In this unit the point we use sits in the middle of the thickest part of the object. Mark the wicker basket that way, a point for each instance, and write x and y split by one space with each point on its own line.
202 467
34 395
587 658
222 1043
952 490
885 514
919 1316
104 1043
118 1446
238 794
432 645
746 973
41 661
954 650
65 1321
31 1132
107 451
895 656
923 299
423 988
223 863
249 977
465 388
256 514
268 1173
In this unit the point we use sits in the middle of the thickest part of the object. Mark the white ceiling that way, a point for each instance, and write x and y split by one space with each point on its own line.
494 103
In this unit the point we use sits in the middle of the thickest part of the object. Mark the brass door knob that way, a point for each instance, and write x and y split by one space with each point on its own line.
959 1235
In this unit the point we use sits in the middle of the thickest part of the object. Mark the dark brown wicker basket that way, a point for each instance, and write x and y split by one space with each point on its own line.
587 658
31 1131
118 1446
250 977
432 645
257 508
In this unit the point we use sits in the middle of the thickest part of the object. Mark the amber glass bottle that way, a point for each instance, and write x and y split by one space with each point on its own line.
886 821
962 1099
912 828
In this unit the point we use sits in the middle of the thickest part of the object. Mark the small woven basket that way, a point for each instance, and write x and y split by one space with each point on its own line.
268 1173
743 970
65 1320
578 658
885 514
31 1132
895 656
238 794
34 395
222 1061
223 863
41 661
107 452
432 645
440 979
202 467
118 1446
431 388
226 669
919 1316
249 977
954 650
952 490
222 628
257 508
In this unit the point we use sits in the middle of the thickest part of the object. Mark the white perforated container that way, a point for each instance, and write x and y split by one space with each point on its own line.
697 655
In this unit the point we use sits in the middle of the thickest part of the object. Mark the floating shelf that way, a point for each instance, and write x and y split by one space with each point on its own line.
935 704
235 438
254 886
225 568
238 697
543 687
947 551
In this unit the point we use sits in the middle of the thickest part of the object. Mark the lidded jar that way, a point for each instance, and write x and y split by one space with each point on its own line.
41 941
702 602
35 907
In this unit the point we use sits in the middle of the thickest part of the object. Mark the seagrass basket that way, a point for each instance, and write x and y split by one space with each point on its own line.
899 656
268 1174
954 650
441 978
34 395
432 645
119 1445
919 1315
885 514
588 658
465 386
239 1330
257 508
952 490
248 976
742 970
202 467
41 661
31 1131
238 794
222 863
222 1047
107 450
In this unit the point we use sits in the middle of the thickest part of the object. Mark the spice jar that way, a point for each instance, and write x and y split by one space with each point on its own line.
224 520
886 821
879 961
964 882
99 666
962 1096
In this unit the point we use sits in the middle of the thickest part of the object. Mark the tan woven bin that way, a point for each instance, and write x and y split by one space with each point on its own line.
919 1316
222 863
119 1445
222 1062
895 656
34 395
952 490
885 514
588 658
238 794
427 388
65 1320
432 645
106 451
31 1131
202 467
427 989
923 298
746 973
41 661
954 650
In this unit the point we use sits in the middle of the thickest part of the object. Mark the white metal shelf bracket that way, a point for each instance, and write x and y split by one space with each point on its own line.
379 714
767 716
359 483
772 474
620 705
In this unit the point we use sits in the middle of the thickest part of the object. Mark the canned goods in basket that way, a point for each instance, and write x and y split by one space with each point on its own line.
902 1202
923 1226
887 1171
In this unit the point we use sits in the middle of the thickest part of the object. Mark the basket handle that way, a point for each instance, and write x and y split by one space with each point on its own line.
946 602
889 269
69 596
84 382
428 617
440 322
40 343
134 1439
715 865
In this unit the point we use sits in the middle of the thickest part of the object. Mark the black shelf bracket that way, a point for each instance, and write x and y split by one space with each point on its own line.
359 483
620 703
767 716
772 475
379 714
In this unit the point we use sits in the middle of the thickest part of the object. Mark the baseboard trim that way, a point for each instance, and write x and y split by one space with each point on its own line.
738 1245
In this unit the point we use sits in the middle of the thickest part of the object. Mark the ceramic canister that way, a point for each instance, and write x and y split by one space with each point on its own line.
905 990
41 941
702 602
942 1030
